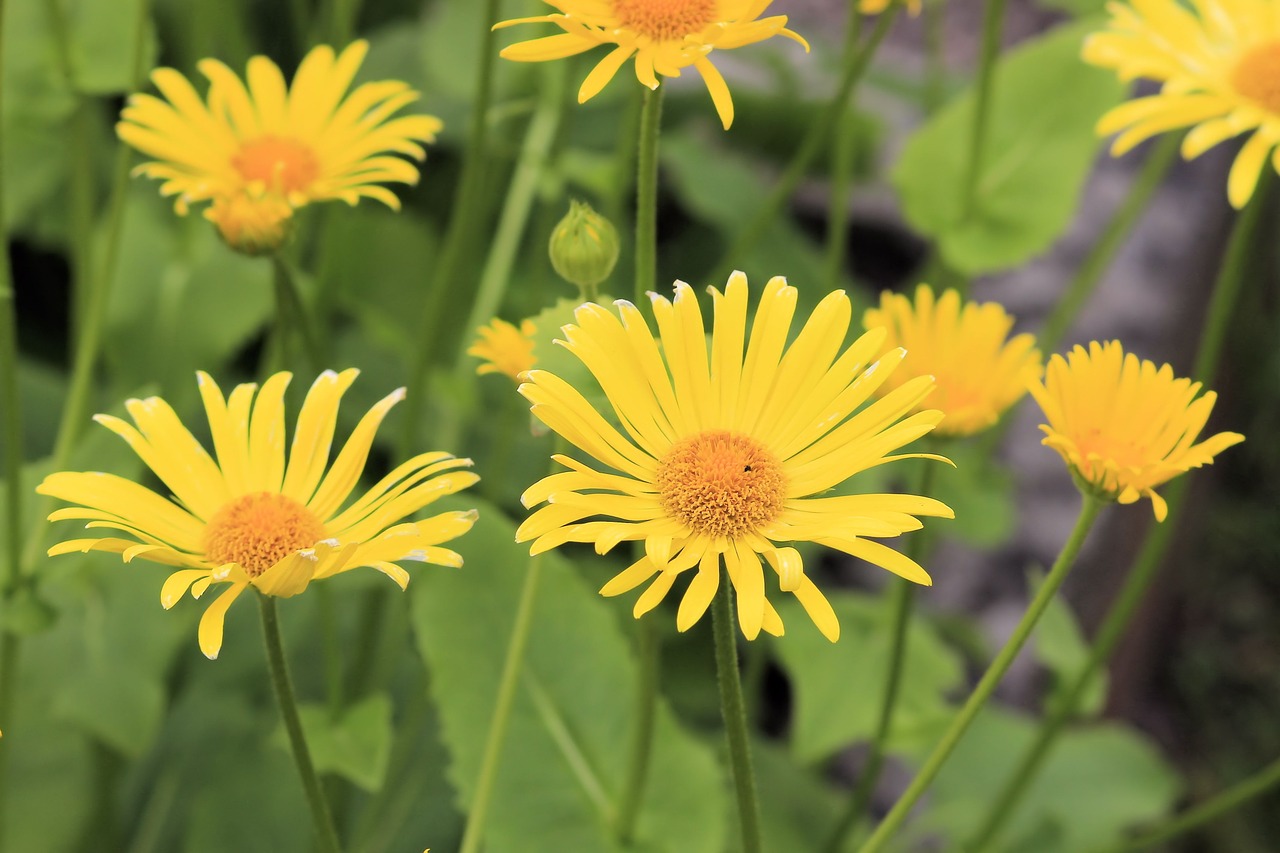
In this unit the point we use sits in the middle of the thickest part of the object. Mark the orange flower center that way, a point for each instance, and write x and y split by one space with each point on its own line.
259 530
283 164
721 483
665 20
1257 76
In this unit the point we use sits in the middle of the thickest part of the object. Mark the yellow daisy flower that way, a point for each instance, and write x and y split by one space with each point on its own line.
1219 63
261 151
504 348
249 519
1123 426
664 36
980 371
724 457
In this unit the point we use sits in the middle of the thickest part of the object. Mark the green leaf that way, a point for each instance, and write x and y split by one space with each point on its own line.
1040 146
180 300
839 688
104 36
980 492
565 757
1061 648
798 810
116 704
1096 782
356 745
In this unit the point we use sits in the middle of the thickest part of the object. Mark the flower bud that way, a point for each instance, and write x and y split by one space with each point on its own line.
584 247
252 225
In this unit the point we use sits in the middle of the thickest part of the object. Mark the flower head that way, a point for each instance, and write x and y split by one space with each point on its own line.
248 519
504 348
664 36
721 456
1219 63
1123 426
261 151
980 371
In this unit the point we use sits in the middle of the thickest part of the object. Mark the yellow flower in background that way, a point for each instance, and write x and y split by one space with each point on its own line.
504 348
1123 426
249 519
980 371
1219 63
275 147
664 36
720 457
875 7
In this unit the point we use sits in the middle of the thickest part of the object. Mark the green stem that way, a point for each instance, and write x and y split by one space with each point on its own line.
89 344
903 596
279 669
291 315
818 132
1104 251
466 207
1232 798
725 628
632 797
1221 307
992 24
935 72
842 168
647 195
343 15
1089 510
471 835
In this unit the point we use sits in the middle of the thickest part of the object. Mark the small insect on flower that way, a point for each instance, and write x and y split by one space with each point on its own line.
259 152
664 36
250 520
721 456
1124 426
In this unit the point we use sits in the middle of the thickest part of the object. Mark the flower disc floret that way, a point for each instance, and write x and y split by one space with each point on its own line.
1124 426
248 518
980 371
664 36
1219 65
722 455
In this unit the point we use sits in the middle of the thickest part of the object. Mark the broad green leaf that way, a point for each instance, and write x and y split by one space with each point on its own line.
104 37
798 809
356 745
116 704
180 300
37 108
979 491
1061 648
838 688
565 752
1096 782
1040 146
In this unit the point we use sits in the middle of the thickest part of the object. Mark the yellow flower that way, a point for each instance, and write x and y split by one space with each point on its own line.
875 7
1219 63
504 348
665 36
1123 426
723 457
273 145
979 371
248 519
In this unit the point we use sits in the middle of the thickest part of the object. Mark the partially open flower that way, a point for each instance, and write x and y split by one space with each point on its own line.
980 371
1124 426
249 519
504 348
